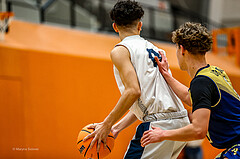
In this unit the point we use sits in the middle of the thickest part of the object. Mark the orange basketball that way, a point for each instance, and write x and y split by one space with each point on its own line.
84 149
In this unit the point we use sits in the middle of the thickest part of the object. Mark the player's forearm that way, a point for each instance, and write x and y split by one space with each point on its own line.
129 96
187 133
126 121
179 89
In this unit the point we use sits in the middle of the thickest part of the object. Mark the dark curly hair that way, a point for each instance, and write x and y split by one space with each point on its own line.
127 12
194 37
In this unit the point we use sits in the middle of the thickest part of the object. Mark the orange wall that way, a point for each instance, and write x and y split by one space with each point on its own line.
51 100
55 81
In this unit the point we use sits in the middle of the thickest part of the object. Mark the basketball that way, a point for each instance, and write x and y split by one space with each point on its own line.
84 149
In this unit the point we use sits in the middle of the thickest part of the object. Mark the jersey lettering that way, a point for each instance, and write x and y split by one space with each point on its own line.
235 150
152 54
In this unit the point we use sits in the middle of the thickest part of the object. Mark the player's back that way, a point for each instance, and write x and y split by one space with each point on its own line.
156 95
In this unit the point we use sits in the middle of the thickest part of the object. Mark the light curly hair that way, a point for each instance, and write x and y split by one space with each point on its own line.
194 37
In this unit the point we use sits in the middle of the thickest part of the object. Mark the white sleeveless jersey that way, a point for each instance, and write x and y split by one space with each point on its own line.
156 95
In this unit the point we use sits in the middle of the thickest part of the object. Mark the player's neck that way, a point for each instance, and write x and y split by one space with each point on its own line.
124 34
195 64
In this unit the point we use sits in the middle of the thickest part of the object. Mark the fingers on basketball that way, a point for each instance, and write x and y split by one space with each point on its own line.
84 146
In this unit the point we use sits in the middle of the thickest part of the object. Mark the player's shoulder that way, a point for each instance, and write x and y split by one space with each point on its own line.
119 51
201 79
202 84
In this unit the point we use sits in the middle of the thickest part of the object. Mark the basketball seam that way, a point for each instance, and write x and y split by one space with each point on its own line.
107 147
86 131
82 140
111 136
86 150
98 154
79 141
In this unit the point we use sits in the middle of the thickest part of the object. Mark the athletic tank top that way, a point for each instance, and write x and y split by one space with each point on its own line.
224 124
156 95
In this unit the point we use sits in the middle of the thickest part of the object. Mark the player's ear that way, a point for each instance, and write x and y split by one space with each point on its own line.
182 49
139 27
115 27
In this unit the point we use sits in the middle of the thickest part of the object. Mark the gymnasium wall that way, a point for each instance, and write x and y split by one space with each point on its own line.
54 81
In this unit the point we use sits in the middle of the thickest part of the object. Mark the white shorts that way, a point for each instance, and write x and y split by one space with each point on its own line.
161 150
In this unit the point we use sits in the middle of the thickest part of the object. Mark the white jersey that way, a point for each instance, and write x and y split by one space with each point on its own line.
156 95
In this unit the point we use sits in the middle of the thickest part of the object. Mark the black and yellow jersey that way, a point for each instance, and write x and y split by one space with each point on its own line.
212 89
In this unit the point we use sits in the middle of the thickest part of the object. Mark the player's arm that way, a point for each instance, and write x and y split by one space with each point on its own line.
179 89
126 121
194 131
121 59
203 93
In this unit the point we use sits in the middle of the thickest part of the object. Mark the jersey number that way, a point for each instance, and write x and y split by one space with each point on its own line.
152 54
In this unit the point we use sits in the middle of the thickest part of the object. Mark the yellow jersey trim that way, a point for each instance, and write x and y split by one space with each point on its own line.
221 80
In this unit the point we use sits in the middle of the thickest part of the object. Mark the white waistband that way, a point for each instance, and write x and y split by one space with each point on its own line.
165 116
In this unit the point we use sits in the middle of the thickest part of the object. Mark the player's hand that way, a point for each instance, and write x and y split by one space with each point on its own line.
91 126
115 132
99 135
152 136
163 64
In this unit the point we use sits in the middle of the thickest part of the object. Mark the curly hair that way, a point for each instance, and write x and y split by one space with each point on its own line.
194 37
126 12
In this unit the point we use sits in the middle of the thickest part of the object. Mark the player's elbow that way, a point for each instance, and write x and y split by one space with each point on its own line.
135 93
187 100
200 133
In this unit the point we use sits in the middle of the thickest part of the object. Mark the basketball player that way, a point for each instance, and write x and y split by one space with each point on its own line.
143 89
216 105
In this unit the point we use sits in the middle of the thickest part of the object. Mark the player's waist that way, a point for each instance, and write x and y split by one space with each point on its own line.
165 116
